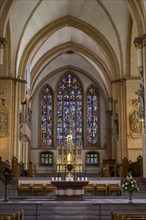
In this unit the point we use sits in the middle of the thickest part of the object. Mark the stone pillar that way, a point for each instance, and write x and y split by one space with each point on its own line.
27 155
16 138
122 120
144 74
119 149
140 44
109 133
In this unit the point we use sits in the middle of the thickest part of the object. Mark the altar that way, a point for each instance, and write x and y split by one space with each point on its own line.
70 189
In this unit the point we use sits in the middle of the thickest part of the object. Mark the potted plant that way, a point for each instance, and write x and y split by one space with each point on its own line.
130 186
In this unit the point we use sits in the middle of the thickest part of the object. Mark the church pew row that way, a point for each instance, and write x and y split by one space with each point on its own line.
103 189
35 189
128 215
98 189
12 216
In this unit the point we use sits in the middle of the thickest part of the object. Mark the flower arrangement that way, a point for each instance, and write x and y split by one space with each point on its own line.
129 185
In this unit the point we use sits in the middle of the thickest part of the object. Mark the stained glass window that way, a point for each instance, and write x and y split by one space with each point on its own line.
69 110
46 117
46 159
92 159
92 117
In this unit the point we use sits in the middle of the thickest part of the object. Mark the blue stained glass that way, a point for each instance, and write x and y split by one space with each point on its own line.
92 117
69 111
46 117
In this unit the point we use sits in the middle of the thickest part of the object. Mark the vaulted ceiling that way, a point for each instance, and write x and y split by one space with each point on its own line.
94 37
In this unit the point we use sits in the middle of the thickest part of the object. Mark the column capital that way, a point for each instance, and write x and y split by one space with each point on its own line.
138 42
144 40
3 42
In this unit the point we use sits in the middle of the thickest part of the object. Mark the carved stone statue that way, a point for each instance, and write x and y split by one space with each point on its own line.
134 121
140 93
3 123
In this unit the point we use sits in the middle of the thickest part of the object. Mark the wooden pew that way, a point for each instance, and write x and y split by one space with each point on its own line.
5 217
24 187
133 216
49 188
127 215
37 187
12 216
89 188
101 188
114 188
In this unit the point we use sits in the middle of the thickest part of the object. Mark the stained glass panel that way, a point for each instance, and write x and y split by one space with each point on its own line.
46 158
69 110
92 158
92 117
46 117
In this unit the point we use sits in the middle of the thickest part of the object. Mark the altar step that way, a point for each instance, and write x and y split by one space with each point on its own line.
13 188
71 210
141 182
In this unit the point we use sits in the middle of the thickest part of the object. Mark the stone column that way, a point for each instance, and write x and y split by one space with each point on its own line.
15 153
26 155
122 120
140 44
144 74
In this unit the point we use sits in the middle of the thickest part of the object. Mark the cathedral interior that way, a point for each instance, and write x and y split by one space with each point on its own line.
72 93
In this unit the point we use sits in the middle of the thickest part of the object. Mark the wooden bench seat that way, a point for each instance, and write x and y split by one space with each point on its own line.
101 188
37 188
89 188
127 215
24 189
49 188
133 216
112 188
12 216
5 216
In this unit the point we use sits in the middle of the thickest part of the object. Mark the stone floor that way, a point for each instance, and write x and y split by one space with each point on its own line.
38 208
48 208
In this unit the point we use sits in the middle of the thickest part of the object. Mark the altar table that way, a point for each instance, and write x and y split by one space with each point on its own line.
70 189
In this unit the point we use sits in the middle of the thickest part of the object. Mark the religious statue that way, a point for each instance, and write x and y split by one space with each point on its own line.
140 93
3 120
134 121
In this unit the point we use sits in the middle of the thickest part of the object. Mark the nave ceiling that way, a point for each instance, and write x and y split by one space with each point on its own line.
92 37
